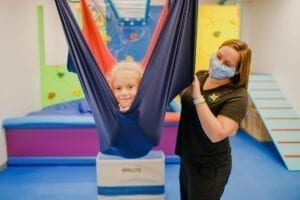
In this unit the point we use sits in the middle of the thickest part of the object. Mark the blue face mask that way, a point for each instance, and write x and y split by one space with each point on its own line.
219 71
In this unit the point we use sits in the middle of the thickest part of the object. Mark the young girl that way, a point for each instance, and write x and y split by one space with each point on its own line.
125 79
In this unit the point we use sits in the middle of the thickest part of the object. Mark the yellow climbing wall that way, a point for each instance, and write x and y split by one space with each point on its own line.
216 24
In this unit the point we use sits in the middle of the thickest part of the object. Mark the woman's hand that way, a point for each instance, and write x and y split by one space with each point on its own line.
195 88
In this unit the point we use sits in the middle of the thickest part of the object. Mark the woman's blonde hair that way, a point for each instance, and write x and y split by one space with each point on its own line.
240 79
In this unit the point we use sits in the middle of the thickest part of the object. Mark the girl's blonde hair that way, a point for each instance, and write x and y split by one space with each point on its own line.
127 66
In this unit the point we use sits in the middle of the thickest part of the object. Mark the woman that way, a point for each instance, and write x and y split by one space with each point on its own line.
212 108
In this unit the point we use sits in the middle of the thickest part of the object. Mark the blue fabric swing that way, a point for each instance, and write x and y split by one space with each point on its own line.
170 69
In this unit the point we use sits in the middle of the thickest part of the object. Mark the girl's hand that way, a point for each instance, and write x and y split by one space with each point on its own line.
124 108
195 88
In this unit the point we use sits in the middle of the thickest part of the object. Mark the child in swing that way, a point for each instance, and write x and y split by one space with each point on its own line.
125 78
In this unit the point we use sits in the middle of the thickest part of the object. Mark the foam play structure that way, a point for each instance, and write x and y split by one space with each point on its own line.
135 179
275 119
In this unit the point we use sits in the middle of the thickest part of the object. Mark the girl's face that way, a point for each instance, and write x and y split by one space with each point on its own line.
125 85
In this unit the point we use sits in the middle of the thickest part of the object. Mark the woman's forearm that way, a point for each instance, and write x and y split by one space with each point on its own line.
216 128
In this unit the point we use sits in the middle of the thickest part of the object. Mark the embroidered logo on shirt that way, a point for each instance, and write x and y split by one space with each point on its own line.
214 97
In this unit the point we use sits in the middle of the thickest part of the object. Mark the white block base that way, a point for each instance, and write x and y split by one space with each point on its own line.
131 179
132 197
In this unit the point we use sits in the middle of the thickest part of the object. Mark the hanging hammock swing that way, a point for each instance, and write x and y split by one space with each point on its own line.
169 68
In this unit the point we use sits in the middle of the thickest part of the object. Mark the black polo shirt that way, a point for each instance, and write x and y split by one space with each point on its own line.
192 143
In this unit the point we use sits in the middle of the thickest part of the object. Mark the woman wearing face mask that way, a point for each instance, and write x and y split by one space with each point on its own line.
212 108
